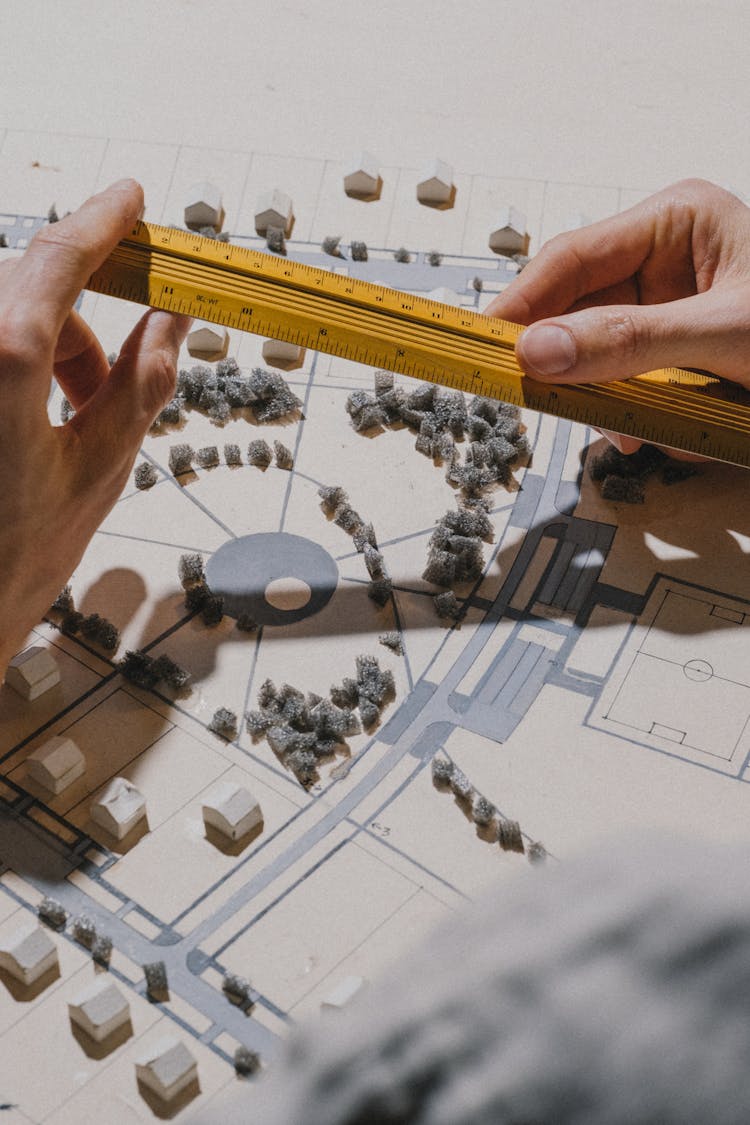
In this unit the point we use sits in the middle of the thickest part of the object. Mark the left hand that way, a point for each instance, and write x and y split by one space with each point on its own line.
57 483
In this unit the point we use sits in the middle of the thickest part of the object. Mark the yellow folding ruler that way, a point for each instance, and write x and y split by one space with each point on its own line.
256 292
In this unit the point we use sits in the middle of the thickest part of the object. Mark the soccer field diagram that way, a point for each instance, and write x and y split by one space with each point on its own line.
682 682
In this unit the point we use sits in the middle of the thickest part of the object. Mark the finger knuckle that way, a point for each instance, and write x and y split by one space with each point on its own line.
693 187
695 194
24 343
558 244
625 336
58 238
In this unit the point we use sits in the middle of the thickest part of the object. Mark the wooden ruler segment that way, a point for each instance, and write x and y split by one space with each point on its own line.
252 291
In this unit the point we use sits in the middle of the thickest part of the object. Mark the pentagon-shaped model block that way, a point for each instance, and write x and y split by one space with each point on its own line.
208 341
204 207
33 672
274 209
282 354
436 187
56 764
231 810
343 993
28 953
100 1009
119 808
166 1067
510 236
362 179
444 295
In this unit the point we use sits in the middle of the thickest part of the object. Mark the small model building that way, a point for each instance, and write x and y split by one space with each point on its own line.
232 810
274 209
119 808
167 1067
204 207
362 180
436 187
33 672
343 994
56 764
28 953
100 1009
510 237
208 342
281 353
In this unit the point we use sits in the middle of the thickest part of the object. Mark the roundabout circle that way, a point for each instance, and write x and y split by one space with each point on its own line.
273 577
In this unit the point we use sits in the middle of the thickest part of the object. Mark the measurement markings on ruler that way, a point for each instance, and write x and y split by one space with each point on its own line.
370 324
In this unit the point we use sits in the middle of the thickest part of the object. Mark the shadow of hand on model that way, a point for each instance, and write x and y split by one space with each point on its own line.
695 532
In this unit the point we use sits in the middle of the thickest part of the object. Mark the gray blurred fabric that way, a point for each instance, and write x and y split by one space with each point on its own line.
609 990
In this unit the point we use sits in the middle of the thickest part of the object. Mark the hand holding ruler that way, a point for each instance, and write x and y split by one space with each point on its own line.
257 292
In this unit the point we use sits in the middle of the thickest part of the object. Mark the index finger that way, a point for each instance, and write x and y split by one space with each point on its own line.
63 255
575 264
578 263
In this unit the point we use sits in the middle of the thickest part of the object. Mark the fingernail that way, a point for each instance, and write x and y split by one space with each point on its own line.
183 325
177 324
126 184
547 349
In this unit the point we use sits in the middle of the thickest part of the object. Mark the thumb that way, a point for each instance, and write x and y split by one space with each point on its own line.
710 331
140 383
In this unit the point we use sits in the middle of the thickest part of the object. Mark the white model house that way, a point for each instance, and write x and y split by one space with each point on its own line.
100 1008
510 236
204 207
231 810
32 672
283 354
436 187
274 209
28 953
119 808
56 764
207 341
362 179
166 1067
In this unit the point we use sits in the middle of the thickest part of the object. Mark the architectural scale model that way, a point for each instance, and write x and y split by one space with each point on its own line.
348 647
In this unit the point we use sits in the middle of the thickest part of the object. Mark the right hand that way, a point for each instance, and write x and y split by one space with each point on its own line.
664 284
